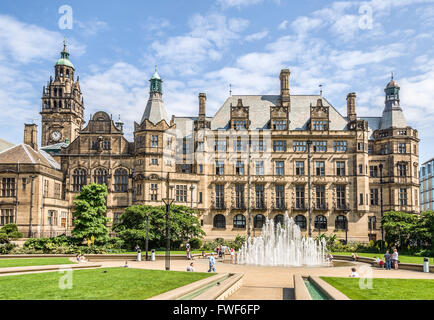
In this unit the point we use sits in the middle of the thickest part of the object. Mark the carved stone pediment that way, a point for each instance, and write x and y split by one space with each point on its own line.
239 111
279 112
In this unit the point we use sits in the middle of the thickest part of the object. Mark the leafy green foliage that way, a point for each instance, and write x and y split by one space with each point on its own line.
407 230
11 232
236 244
195 243
131 228
89 218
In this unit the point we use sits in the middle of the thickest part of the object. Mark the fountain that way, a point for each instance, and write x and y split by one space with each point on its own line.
282 245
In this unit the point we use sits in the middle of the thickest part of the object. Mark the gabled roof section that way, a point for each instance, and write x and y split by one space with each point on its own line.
24 154
259 112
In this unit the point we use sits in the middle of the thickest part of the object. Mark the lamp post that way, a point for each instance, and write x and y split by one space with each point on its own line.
309 187
147 236
168 202
346 230
381 203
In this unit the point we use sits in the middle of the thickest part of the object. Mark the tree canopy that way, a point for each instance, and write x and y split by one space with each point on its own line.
89 214
184 225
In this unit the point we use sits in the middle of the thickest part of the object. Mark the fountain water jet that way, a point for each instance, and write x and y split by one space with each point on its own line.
282 245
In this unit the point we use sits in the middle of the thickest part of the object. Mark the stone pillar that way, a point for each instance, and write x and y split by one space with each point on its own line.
31 135
351 107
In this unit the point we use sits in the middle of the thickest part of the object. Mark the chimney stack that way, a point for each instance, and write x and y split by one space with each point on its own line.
202 104
31 135
284 83
351 107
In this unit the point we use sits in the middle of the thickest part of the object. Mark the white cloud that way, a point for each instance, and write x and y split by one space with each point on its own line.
283 25
238 3
257 36
92 27
302 25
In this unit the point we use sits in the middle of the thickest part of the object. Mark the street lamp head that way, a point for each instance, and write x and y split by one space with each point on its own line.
381 166
168 201
309 142
192 187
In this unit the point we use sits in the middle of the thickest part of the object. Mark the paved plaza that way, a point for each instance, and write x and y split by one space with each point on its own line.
268 283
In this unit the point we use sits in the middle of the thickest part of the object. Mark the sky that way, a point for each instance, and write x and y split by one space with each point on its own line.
205 46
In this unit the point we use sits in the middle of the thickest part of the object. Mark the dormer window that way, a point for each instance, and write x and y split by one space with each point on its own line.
319 125
239 124
280 125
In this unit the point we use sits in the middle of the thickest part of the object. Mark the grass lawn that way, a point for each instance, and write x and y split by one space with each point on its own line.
96 284
24 262
385 289
402 258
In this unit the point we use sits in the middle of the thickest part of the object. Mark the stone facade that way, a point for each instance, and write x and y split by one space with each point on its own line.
248 162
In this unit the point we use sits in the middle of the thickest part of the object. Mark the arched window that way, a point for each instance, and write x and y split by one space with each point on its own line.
219 221
121 180
79 179
240 221
320 222
100 176
341 223
300 221
278 219
259 221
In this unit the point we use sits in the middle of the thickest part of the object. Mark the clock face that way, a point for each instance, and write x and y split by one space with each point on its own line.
56 136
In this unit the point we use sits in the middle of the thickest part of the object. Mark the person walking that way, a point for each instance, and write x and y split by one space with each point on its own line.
395 259
387 258
233 255
211 263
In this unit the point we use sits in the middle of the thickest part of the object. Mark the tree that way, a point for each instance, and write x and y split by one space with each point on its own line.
400 228
88 214
10 231
131 228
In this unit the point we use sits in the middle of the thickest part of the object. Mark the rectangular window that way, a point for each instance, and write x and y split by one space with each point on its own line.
340 168
181 193
320 168
8 187
299 168
240 145
260 200
374 197
280 197
299 146
219 168
51 218
259 146
319 146
139 189
361 199
280 168
402 148
200 197
403 196
6 216
200 147
46 184
154 141
239 124
299 197
219 196
360 169
239 168
279 146
57 190
24 184
279 125
320 197
360 146
239 196
402 170
373 171
106 145
340 146
259 168
220 145
340 197
319 125
154 162
154 192
201 168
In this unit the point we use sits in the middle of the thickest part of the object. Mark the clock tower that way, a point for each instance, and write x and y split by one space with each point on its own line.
62 104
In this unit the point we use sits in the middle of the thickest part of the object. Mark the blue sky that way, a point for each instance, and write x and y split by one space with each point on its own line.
203 46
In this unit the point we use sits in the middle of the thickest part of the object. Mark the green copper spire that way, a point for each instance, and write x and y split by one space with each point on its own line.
156 82
64 57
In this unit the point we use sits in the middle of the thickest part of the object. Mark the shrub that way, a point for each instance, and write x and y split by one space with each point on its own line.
195 243
4 238
6 248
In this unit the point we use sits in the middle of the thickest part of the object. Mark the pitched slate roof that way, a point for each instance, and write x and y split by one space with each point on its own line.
155 111
259 112
24 154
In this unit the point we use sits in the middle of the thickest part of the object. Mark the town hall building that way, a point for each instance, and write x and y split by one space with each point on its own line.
259 156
